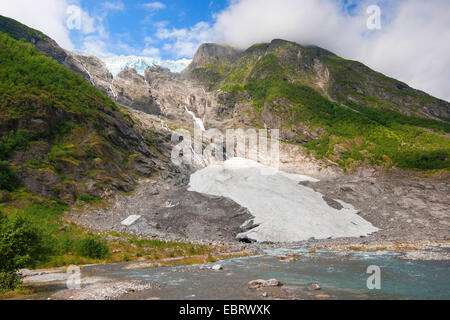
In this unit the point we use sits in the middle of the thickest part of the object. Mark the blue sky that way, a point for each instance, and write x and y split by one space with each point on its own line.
135 25
140 27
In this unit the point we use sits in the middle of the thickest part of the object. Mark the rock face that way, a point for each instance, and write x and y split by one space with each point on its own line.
132 90
210 53
343 80
97 72
84 146
402 207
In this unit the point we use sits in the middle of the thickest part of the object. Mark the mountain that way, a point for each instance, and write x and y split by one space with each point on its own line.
345 81
61 137
340 110
333 114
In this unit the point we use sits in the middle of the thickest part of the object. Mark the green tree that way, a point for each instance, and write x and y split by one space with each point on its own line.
21 245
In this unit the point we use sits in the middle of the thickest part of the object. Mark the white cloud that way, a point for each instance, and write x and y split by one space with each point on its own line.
154 5
117 6
411 46
151 52
48 16
88 23
184 42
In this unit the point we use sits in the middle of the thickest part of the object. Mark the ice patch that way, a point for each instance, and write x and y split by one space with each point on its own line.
130 220
284 210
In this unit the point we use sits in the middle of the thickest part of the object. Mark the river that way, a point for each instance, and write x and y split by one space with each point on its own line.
340 277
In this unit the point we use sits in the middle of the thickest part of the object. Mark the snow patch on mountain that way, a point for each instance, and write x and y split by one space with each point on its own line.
284 210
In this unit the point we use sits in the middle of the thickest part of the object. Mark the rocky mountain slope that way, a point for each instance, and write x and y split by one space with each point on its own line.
334 114
60 136
340 110
345 81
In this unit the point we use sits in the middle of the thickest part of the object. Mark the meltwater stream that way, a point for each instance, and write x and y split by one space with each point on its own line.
340 277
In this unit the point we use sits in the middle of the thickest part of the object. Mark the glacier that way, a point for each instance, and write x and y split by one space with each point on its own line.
283 209
117 63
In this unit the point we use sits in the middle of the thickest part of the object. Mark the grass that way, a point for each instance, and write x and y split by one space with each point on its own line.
20 291
29 79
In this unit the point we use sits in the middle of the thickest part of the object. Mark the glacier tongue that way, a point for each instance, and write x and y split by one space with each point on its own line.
284 210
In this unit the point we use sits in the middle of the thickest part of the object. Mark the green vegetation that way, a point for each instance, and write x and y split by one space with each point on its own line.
8 145
8 178
19 31
35 235
381 134
68 128
14 141
88 198
93 248
21 244
29 80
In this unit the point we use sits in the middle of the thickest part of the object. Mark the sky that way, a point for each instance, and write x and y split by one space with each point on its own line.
404 39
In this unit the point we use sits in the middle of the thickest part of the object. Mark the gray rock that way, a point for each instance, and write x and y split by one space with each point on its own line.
217 267
314 287
255 284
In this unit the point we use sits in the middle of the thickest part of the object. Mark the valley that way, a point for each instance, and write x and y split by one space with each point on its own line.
364 169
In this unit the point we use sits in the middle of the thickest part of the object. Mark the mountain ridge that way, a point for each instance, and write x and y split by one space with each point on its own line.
340 110
206 56
335 110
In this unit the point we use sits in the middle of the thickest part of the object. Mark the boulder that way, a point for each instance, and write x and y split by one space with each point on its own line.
217 267
255 284
314 287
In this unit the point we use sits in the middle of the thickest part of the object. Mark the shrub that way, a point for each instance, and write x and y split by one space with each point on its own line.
21 245
8 178
92 248
14 141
